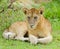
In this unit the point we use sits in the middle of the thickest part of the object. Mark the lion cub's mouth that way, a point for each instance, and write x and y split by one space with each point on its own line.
32 26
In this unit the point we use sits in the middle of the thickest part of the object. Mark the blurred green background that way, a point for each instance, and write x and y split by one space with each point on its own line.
8 16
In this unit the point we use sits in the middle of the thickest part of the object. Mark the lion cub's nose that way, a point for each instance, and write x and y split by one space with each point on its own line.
31 25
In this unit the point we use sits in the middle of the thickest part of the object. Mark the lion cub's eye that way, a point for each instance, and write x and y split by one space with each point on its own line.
35 17
28 17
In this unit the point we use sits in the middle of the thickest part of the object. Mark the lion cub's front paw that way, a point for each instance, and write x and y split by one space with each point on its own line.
33 39
21 38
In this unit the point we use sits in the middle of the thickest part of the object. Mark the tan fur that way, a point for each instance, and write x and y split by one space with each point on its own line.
17 30
38 27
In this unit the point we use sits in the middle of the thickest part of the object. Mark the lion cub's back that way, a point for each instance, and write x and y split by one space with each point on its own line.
18 27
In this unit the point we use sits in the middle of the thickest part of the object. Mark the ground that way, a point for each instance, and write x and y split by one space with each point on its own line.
9 16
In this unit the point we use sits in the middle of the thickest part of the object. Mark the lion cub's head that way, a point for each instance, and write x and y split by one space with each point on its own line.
33 16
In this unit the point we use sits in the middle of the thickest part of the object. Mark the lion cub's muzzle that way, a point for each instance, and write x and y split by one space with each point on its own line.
31 25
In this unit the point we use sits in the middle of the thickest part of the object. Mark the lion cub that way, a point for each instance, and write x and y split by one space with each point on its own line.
16 31
39 28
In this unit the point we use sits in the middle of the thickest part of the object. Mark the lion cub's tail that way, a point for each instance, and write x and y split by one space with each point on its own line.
8 35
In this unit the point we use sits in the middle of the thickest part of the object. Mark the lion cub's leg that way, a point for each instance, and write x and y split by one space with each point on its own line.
21 38
45 40
8 35
33 39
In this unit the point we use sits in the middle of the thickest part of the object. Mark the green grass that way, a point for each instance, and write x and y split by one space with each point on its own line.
52 12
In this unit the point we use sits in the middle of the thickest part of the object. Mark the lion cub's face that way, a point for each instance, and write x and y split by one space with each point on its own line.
33 17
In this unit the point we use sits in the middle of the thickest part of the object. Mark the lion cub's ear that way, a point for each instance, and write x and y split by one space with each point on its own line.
41 10
25 10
